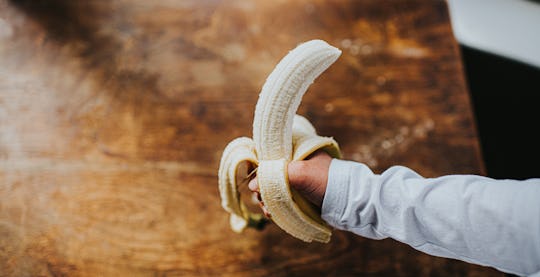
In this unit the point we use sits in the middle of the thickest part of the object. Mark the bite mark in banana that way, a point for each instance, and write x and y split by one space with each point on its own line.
280 136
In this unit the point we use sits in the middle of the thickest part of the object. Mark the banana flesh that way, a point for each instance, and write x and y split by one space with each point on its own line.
280 136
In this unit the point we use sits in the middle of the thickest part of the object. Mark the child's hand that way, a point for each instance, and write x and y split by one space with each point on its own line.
309 177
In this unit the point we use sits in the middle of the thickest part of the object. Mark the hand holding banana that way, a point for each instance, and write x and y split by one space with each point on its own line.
309 177
279 137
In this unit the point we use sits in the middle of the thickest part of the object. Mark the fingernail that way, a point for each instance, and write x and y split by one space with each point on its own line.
253 185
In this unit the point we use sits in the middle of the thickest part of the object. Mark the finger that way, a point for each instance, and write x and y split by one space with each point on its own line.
253 185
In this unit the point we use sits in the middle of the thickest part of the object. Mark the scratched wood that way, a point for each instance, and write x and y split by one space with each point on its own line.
113 116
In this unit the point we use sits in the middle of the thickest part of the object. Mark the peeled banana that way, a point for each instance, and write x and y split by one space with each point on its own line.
280 136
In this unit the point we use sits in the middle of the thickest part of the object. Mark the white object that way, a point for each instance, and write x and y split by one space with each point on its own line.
466 217
509 28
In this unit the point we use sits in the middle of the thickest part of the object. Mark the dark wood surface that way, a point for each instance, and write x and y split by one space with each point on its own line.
114 114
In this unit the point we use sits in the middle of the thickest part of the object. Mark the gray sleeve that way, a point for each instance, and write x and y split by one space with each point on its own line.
471 218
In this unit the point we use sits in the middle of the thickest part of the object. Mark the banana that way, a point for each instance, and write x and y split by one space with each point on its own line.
280 136
237 158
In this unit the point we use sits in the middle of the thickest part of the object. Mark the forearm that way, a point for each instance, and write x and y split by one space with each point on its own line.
471 218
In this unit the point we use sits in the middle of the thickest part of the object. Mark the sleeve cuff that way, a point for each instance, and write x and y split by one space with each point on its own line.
337 189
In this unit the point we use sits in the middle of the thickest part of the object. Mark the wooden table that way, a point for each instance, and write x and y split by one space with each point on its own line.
113 116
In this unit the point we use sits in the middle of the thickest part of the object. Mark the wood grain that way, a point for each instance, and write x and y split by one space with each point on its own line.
113 116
